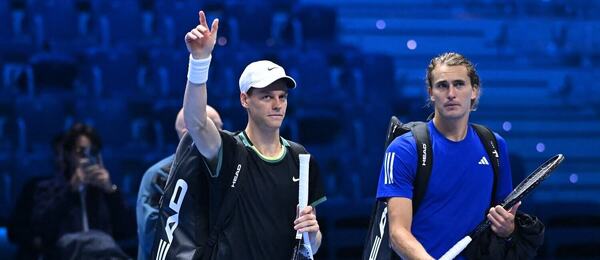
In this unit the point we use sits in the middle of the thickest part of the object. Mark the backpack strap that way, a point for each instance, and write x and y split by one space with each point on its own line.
488 139
223 204
420 132
296 149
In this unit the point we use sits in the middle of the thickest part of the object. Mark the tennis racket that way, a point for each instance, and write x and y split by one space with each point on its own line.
523 189
302 249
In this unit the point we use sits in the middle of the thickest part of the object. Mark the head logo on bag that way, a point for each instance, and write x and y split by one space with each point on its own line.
424 159
237 174
181 188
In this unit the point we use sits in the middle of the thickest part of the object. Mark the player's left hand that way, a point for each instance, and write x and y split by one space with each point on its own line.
503 221
98 176
307 221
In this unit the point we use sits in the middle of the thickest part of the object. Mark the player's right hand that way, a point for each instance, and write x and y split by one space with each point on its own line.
201 40
503 221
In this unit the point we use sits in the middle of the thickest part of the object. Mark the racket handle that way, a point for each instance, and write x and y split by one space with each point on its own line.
480 228
457 248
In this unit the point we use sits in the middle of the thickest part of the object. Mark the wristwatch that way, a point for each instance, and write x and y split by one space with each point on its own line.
509 240
112 188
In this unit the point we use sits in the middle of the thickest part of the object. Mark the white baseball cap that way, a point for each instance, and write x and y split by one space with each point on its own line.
260 74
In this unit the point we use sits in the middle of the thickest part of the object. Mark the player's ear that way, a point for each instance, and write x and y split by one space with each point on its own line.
475 97
431 98
244 99
475 93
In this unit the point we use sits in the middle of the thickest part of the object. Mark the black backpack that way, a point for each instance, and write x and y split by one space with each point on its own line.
377 241
194 208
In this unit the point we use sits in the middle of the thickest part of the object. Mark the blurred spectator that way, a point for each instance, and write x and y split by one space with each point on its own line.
79 213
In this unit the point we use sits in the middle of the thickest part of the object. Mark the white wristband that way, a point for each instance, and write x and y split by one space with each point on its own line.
198 70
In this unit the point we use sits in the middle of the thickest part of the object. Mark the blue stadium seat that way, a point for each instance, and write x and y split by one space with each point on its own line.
144 132
312 73
124 23
378 78
110 117
582 38
17 74
20 20
347 231
318 24
5 19
164 113
167 73
60 19
42 118
229 64
114 73
323 131
54 72
530 36
176 18
128 174
10 139
6 183
248 18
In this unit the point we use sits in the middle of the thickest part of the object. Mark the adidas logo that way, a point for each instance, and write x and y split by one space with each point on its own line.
389 168
484 161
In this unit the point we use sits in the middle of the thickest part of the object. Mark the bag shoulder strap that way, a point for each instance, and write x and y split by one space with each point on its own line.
488 139
224 207
296 149
420 132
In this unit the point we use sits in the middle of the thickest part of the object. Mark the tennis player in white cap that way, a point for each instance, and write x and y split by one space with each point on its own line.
265 219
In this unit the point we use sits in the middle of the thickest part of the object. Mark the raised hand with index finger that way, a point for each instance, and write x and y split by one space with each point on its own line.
200 41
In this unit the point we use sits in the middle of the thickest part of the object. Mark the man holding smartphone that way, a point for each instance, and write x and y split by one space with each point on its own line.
84 199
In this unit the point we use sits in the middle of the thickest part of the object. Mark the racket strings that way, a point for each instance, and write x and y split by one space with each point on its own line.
540 174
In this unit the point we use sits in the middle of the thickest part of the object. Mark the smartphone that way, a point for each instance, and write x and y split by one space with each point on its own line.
92 158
